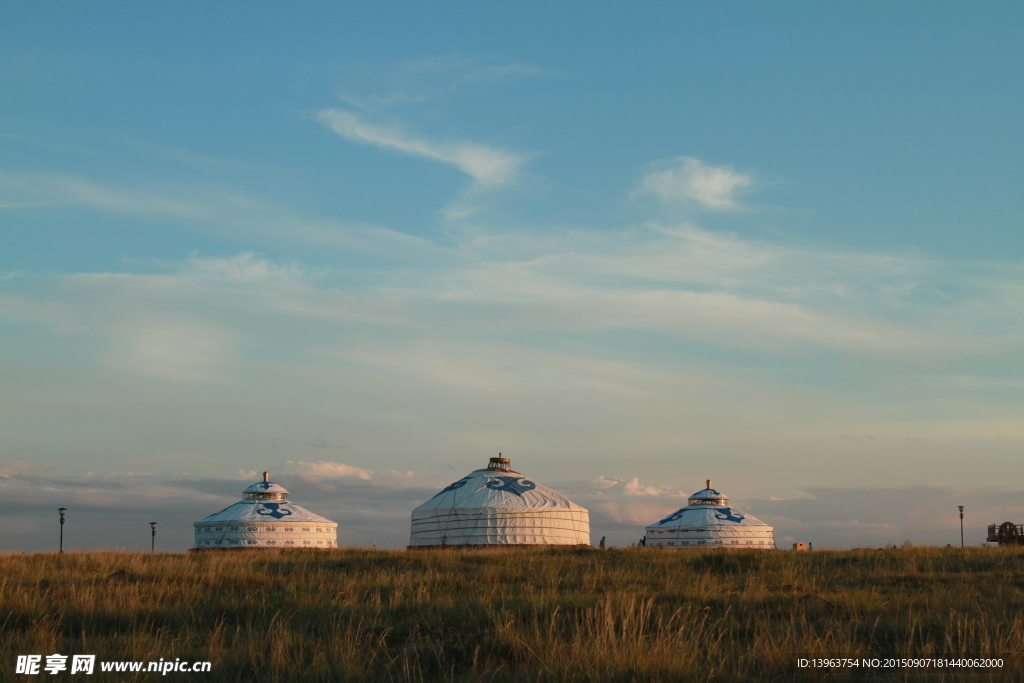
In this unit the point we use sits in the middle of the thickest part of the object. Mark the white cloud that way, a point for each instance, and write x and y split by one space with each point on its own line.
245 267
325 469
633 487
686 179
488 166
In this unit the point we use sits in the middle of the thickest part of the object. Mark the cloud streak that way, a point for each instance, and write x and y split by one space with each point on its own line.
690 180
676 278
488 166
222 213
188 323
427 79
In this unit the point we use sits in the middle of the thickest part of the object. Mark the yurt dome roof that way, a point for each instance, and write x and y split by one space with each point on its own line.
707 508
259 511
264 501
692 516
496 505
499 487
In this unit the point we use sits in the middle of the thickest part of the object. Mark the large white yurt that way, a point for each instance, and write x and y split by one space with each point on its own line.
265 519
497 506
708 521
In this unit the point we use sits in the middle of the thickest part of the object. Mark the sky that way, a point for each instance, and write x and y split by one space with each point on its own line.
631 247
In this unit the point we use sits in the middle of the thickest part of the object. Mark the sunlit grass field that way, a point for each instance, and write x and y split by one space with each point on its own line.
529 615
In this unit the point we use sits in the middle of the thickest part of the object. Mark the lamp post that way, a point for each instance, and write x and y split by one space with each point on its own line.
62 511
152 546
961 525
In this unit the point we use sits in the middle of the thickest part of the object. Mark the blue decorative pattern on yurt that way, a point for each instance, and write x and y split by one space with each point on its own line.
275 510
727 513
455 485
511 484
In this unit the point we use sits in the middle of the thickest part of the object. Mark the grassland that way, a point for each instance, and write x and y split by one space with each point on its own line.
532 615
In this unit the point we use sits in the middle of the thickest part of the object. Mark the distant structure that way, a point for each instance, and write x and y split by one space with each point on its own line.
801 546
497 506
265 519
709 522
1006 533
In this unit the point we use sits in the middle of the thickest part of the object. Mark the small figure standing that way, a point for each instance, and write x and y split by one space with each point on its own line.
601 544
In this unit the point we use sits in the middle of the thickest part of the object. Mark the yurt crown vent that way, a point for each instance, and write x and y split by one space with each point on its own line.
265 491
708 496
499 463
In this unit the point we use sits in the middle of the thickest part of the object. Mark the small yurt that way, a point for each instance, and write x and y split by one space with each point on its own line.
265 519
708 521
496 506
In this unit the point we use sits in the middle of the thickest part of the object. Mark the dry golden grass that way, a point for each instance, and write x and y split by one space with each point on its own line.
532 615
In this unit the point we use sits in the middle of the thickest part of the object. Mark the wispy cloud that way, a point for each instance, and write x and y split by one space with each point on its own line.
690 180
11 468
420 81
488 166
690 283
220 212
461 69
501 73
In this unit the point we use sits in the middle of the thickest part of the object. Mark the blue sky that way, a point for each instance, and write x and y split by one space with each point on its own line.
368 247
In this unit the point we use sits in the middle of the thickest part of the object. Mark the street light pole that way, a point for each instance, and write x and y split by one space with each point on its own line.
961 525
152 546
62 511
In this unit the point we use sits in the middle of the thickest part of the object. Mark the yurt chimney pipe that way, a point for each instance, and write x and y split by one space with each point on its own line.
266 476
709 483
